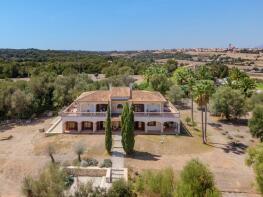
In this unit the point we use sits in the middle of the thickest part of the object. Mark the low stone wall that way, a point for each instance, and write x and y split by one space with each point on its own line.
86 171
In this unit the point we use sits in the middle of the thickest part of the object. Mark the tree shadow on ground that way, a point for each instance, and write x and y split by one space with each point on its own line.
215 125
231 147
146 156
235 122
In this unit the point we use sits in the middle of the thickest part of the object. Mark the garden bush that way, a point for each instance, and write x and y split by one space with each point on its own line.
106 163
120 188
196 180
159 183
89 162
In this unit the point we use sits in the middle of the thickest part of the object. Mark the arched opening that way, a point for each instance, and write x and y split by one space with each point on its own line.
86 126
154 127
100 126
139 126
71 126
119 106
170 127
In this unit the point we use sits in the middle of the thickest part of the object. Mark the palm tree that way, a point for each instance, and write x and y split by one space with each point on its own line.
190 83
186 78
203 89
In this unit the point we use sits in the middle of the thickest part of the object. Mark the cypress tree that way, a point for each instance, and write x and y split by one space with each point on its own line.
128 129
130 132
108 132
124 116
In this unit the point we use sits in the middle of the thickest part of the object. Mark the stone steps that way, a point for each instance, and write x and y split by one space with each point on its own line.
117 174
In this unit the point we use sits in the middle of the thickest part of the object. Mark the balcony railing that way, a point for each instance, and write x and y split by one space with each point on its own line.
170 112
88 114
157 114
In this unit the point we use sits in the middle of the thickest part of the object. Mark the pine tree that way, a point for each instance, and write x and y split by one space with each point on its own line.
108 132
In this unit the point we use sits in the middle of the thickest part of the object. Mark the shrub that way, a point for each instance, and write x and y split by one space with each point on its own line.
120 188
151 183
255 159
88 162
85 190
106 163
196 180
53 181
187 120
84 163
69 179
256 122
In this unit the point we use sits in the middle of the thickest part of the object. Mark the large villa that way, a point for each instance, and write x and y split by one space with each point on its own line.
153 114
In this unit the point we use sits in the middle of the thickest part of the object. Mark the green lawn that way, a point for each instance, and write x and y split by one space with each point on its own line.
259 86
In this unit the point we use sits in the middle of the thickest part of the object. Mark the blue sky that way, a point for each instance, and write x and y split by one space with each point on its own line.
130 24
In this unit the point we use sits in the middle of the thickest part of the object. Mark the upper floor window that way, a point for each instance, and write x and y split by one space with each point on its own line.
119 106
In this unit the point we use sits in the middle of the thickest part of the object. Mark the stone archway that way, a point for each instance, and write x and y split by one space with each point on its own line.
71 126
170 126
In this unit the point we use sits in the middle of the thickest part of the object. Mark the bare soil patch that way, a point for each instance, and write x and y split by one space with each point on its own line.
224 155
24 154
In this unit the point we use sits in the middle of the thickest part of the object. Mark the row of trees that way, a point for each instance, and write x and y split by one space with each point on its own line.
127 130
26 99
229 100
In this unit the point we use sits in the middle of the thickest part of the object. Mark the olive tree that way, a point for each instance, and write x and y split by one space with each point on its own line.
79 149
256 122
228 102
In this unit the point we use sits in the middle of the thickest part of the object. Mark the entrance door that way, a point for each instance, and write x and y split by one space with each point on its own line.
116 126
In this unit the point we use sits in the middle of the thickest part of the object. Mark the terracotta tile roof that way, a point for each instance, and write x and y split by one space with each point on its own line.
96 96
117 92
137 95
142 95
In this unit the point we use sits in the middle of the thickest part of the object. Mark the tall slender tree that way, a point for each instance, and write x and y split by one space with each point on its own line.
124 116
108 131
203 89
186 78
130 133
128 129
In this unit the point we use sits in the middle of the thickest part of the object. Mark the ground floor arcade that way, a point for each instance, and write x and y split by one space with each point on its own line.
149 127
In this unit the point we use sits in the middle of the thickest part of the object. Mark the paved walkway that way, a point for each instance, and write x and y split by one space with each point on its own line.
117 157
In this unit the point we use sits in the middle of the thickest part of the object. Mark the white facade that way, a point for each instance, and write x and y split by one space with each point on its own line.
149 116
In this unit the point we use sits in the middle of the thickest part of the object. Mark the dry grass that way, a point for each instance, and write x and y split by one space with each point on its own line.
170 145
25 154
64 144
